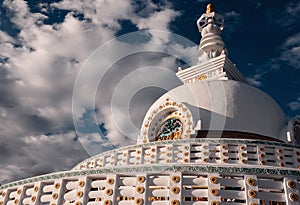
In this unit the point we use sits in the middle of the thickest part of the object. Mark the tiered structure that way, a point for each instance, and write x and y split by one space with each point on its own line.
213 140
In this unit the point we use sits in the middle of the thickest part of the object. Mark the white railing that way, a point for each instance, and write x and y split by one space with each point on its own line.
195 151
157 188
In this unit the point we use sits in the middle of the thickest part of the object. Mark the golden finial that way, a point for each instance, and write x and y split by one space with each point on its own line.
210 8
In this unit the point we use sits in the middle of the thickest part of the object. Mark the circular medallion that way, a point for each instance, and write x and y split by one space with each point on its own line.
170 129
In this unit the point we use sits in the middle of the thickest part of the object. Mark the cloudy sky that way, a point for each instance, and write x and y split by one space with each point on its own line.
46 45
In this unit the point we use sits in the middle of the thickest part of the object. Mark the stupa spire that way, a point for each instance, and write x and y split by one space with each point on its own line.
210 25
213 62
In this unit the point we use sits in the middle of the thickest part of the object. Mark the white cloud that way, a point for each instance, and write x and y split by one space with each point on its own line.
38 69
231 14
22 18
294 105
158 21
293 8
255 80
232 22
291 51
290 54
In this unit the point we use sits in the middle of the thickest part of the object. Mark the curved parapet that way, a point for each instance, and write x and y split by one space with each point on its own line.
250 153
158 185
191 171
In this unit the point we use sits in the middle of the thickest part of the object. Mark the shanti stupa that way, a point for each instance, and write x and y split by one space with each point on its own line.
213 140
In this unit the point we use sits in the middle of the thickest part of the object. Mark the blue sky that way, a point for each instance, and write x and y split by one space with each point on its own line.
44 44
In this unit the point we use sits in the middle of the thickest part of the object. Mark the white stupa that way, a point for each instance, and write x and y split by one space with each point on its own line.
213 140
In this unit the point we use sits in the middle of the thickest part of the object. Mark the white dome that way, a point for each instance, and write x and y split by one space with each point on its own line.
226 105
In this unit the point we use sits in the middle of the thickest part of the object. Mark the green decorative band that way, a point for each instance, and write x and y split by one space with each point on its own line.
158 169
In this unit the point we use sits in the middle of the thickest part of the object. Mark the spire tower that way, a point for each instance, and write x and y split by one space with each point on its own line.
210 25
213 62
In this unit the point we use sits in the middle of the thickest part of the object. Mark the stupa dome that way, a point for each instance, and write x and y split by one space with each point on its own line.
223 105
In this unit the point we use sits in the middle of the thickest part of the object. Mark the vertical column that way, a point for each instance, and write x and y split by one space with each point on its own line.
169 154
251 189
153 155
82 191
113 159
291 189
37 193
175 182
57 192
19 196
110 190
243 154
125 159
205 152
279 157
4 196
224 153
100 162
141 190
214 197
261 155
186 153
139 156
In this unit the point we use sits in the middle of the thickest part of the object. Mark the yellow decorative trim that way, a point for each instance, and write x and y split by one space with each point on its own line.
56 185
252 193
54 195
214 203
110 181
175 179
214 192
107 202
19 191
139 201
174 202
175 190
141 179
293 197
33 198
109 192
291 184
210 8
79 194
202 77
251 181
140 189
